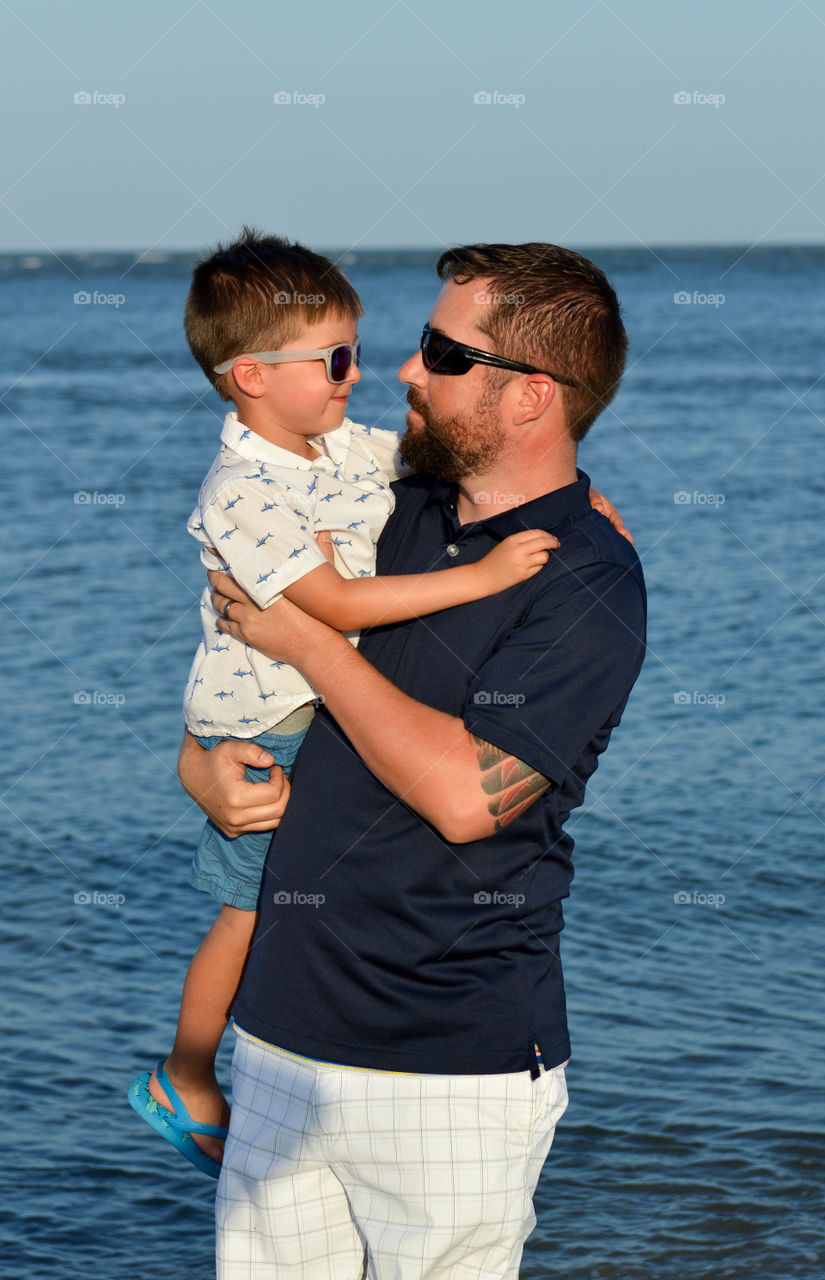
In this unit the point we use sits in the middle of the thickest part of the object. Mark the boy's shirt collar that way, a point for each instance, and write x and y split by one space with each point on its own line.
246 442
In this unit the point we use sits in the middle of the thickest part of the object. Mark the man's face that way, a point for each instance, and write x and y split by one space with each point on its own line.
454 425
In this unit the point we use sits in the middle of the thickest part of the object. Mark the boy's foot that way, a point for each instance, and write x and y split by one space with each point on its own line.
205 1103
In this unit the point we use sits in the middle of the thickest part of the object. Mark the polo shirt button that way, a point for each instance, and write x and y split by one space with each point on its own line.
452 550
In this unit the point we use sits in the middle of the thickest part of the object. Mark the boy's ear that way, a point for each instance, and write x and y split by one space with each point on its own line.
248 377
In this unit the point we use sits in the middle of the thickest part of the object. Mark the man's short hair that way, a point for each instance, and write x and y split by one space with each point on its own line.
551 308
257 293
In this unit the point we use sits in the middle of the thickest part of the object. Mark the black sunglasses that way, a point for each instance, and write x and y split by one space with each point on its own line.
444 355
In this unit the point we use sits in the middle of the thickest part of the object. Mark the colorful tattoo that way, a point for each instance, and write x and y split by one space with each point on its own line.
511 784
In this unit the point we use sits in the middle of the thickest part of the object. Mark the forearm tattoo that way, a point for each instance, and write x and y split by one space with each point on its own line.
510 783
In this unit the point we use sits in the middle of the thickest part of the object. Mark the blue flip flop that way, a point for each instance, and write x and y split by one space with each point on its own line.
175 1126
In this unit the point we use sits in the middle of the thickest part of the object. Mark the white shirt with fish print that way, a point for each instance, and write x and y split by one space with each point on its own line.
260 507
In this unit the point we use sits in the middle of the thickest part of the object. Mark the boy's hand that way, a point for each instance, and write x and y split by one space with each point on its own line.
601 504
516 558
215 780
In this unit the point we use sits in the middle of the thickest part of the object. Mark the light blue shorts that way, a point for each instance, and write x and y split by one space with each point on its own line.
230 869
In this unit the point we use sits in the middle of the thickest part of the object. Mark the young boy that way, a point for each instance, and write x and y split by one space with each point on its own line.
273 326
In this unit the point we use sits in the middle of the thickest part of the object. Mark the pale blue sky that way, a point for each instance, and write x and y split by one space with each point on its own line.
584 145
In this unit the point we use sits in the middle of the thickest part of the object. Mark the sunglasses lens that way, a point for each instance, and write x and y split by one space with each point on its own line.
441 355
340 363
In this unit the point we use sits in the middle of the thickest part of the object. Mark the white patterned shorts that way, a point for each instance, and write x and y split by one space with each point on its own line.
335 1173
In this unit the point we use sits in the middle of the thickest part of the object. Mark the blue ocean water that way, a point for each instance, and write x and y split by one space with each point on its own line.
693 1141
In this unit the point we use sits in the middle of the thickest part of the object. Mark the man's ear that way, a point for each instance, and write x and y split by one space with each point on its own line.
538 391
248 375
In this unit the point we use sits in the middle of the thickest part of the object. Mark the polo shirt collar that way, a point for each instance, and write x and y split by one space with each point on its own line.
545 512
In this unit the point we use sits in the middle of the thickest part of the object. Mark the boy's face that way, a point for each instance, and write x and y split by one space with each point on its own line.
298 397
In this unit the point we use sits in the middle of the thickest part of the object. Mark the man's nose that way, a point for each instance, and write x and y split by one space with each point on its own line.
413 372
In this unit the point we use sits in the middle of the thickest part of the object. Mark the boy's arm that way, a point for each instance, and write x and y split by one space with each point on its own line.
348 604
262 533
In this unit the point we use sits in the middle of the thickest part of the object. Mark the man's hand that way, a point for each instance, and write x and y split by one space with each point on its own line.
601 504
215 780
282 631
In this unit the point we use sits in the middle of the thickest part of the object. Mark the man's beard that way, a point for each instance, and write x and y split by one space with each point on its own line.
452 448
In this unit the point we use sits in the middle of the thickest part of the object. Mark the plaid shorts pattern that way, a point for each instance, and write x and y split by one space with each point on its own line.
334 1173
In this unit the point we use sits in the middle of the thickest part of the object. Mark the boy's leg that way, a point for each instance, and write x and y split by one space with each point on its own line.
211 982
230 870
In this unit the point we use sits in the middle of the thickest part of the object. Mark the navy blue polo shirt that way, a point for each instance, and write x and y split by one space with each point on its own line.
382 945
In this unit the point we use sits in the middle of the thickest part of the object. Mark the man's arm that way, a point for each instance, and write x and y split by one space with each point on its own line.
466 788
510 783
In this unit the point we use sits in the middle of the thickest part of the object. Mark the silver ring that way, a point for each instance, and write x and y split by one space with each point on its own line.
225 610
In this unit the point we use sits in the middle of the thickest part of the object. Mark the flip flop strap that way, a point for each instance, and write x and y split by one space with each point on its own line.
181 1120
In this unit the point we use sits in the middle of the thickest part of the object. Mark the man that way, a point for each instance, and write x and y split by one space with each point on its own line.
402 1032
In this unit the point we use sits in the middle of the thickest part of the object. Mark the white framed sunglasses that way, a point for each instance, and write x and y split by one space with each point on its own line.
338 359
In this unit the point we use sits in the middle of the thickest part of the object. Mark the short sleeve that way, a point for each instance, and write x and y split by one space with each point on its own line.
562 676
264 536
385 447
